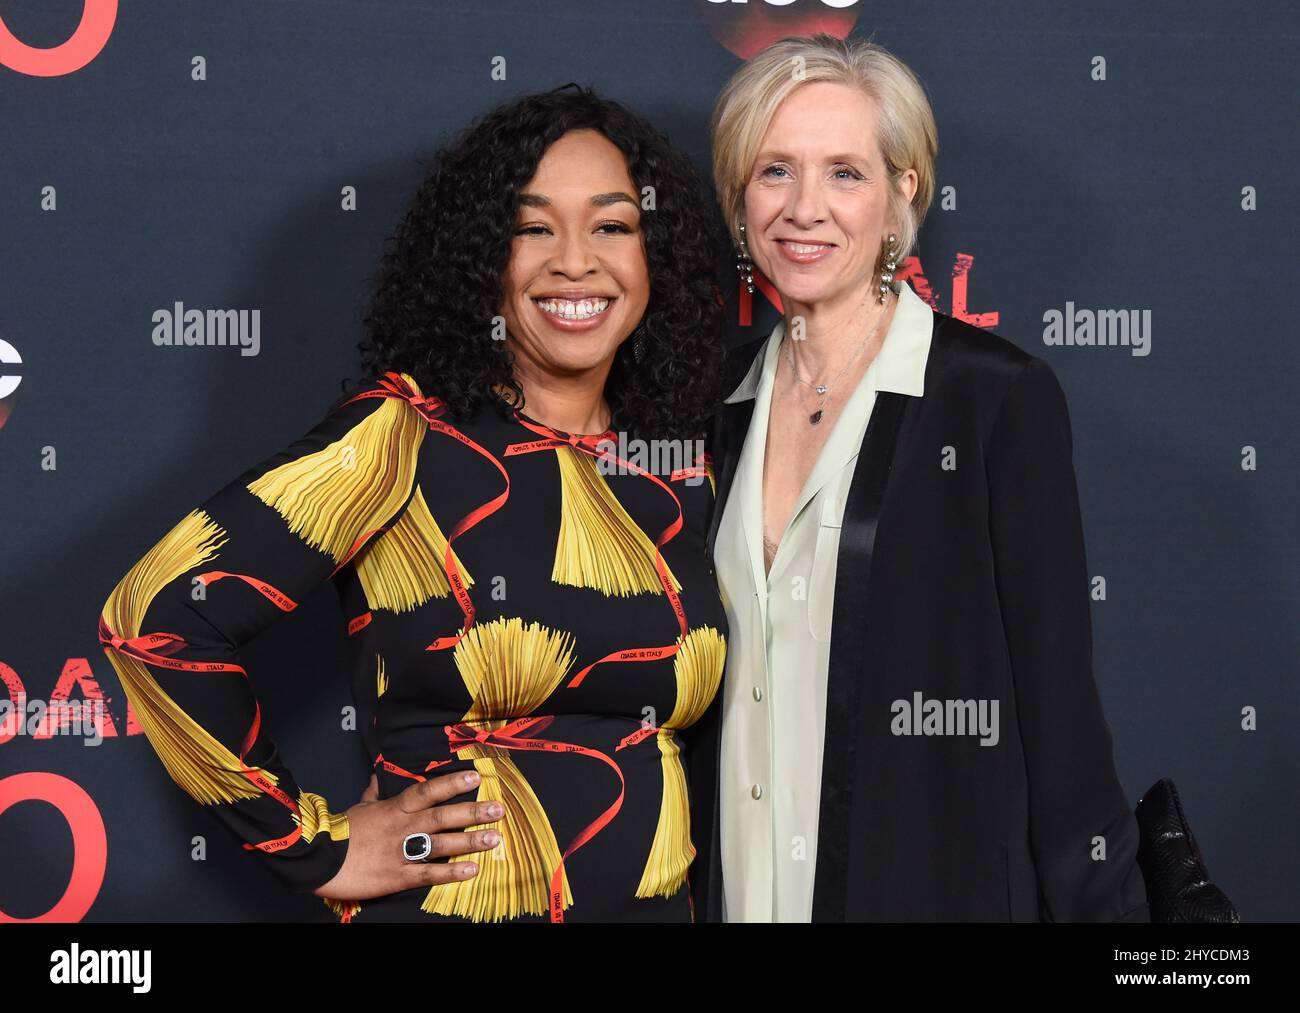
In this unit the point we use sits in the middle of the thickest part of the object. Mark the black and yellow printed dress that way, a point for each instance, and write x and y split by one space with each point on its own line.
512 605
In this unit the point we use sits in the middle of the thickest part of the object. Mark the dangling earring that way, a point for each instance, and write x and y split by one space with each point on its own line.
887 269
638 347
743 262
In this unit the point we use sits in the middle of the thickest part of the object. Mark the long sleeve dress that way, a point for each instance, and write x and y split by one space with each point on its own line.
518 603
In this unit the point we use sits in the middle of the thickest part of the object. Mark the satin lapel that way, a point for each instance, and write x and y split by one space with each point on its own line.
853 567
733 424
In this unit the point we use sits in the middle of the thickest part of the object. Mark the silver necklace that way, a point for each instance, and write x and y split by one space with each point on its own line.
824 388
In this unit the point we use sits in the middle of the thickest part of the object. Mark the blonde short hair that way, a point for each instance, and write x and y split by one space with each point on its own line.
909 138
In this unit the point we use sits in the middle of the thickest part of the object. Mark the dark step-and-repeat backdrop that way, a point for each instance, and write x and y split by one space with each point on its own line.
1105 170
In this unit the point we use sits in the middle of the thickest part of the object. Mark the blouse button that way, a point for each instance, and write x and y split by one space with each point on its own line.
758 694
757 791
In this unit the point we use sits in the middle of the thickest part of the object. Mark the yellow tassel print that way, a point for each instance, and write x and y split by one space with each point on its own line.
514 878
508 668
314 816
366 474
206 770
404 567
381 680
600 546
345 909
698 666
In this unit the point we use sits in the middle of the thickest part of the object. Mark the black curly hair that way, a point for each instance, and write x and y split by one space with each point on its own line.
440 278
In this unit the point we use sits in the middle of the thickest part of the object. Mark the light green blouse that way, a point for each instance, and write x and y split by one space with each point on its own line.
774 690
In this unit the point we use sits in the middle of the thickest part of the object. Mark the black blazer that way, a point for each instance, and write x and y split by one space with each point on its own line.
960 583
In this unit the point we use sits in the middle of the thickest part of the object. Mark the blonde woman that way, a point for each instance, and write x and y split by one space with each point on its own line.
909 727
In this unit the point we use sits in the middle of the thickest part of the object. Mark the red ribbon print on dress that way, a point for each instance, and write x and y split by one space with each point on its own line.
591 445
517 735
153 648
392 385
521 734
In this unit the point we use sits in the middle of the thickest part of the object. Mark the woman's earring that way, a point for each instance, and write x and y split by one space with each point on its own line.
887 269
743 262
638 347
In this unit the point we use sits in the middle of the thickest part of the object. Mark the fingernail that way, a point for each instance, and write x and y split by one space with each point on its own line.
469 868
491 838
471 777
495 809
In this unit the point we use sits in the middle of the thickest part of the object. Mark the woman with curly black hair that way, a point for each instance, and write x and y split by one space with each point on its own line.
442 280
513 509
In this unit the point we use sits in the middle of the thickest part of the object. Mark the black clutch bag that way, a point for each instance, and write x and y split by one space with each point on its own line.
1178 884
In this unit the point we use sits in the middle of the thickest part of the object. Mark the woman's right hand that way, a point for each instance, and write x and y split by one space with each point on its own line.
374 865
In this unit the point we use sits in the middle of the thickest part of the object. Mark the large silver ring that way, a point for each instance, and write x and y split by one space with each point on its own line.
417 847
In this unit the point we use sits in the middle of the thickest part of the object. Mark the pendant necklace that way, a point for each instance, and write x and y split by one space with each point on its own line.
824 388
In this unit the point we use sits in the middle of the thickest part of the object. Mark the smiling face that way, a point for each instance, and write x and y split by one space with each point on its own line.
816 204
577 283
